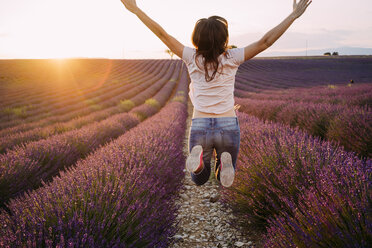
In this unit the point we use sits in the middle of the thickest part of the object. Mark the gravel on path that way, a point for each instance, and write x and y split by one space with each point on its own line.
202 220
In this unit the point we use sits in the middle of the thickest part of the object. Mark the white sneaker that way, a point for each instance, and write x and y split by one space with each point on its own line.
227 173
195 159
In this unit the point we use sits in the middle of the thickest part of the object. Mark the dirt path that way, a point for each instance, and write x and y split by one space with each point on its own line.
203 220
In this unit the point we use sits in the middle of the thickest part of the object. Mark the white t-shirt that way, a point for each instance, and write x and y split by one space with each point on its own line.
216 96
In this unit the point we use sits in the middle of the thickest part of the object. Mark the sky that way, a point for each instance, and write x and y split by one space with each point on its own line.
105 29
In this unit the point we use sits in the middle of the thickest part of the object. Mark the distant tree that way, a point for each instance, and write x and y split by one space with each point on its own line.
170 53
335 54
327 54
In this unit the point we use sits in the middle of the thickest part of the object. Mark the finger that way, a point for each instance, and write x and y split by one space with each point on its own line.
302 2
306 5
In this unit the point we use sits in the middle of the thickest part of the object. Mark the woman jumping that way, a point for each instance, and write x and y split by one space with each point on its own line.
212 67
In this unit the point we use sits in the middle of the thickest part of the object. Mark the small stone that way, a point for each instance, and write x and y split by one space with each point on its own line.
249 243
184 197
206 195
178 237
239 244
214 198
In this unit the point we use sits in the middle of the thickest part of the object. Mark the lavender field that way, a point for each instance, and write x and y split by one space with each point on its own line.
91 151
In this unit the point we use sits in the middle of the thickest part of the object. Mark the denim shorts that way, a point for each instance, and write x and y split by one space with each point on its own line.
220 134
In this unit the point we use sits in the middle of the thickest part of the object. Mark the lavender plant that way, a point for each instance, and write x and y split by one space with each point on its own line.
64 101
137 84
120 196
306 192
26 166
12 139
355 95
351 127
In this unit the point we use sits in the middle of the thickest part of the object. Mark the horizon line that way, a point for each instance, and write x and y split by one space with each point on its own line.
262 56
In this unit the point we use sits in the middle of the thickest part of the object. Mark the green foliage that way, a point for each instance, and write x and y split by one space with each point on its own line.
95 107
90 101
17 111
141 116
179 98
152 102
126 105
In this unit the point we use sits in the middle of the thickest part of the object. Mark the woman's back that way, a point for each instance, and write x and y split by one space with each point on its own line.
212 68
217 95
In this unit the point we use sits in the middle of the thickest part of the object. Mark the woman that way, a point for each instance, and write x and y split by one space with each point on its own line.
212 68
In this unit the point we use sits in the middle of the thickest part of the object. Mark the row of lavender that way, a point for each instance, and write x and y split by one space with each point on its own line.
71 112
305 192
120 196
65 107
67 83
350 95
64 82
270 73
351 127
265 73
16 76
26 166
139 95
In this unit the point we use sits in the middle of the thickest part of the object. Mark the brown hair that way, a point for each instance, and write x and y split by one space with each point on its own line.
210 38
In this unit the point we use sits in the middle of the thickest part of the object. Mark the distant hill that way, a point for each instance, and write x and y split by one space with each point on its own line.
340 50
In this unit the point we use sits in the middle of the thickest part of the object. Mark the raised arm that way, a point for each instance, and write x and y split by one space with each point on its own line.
174 45
273 35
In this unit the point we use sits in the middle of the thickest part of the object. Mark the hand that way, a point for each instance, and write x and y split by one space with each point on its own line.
300 7
131 5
